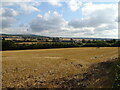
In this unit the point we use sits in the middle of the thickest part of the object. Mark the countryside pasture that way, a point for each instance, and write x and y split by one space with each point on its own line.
56 68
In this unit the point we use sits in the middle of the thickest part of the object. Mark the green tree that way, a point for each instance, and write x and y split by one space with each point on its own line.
88 41
8 45
83 41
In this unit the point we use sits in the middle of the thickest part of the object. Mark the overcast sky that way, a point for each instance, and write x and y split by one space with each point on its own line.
72 18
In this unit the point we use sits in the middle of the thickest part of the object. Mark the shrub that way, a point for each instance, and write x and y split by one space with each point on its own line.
117 78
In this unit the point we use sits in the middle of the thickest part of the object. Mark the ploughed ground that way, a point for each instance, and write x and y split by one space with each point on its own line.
86 67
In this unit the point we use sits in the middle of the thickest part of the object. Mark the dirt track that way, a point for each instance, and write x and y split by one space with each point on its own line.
56 68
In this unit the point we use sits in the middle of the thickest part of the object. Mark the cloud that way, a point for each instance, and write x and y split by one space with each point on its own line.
24 7
95 22
48 21
16 30
7 12
100 17
59 0
99 20
28 8
6 4
78 23
74 4
101 14
54 2
17 0
8 17
7 22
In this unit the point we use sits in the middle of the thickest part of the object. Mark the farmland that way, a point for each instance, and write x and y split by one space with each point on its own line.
56 68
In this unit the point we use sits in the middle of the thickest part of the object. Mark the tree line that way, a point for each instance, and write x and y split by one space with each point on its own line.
11 45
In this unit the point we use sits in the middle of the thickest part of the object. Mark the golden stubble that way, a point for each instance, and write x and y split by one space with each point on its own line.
27 68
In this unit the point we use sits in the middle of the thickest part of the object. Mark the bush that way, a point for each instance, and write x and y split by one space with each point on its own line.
97 44
117 79
8 45
116 44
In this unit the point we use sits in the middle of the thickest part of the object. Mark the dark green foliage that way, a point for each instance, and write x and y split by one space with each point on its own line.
112 43
89 41
116 44
117 79
83 41
10 45
55 39
97 44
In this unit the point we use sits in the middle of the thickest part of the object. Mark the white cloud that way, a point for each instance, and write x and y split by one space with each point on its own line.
6 4
100 17
24 7
106 12
7 22
16 30
59 0
54 2
27 8
99 20
17 0
48 21
7 17
74 4
94 15
7 12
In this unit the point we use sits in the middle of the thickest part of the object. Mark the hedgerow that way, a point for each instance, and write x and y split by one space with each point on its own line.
117 78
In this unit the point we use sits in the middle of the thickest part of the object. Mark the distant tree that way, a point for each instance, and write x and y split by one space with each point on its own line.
55 39
93 41
102 44
108 41
88 41
46 40
116 44
83 41
71 39
113 40
8 45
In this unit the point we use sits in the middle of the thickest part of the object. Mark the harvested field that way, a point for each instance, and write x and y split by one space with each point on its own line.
57 68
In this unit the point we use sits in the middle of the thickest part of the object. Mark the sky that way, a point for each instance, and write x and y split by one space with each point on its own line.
70 18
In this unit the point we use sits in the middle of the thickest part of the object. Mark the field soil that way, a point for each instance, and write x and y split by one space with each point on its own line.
85 67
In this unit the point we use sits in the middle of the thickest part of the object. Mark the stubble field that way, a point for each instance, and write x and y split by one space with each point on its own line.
55 68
